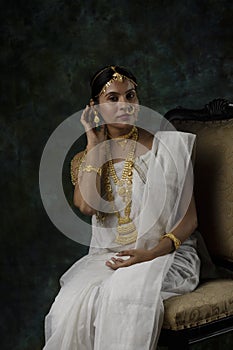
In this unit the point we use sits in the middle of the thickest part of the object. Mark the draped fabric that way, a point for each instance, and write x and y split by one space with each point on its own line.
98 308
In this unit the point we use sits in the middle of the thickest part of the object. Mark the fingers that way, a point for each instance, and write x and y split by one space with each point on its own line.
85 119
94 136
126 252
113 261
112 266
115 264
117 260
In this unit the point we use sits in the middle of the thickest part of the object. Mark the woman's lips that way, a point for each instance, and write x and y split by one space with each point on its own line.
124 117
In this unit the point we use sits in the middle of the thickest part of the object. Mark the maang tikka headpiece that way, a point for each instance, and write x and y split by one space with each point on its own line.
115 77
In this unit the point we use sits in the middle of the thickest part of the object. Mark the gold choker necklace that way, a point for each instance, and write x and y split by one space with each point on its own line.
126 230
122 140
126 136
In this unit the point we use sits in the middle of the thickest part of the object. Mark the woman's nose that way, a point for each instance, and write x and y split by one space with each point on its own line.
123 103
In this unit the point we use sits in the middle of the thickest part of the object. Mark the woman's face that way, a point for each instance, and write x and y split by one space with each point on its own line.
114 103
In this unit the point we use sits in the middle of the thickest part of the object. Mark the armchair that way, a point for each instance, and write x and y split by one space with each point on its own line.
207 311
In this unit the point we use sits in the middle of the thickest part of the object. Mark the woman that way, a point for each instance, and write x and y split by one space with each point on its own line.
136 187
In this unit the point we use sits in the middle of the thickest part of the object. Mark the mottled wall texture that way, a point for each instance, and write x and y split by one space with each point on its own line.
181 53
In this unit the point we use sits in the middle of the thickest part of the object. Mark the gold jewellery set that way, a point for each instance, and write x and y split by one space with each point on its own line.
126 230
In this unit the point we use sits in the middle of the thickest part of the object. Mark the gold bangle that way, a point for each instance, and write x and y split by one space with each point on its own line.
89 168
176 242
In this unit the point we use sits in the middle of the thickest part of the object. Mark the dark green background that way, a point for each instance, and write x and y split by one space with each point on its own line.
181 53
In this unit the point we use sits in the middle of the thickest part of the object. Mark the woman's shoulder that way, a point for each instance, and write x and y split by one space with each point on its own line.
176 142
78 156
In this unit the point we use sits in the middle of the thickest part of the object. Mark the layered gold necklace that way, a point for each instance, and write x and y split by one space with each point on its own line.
126 230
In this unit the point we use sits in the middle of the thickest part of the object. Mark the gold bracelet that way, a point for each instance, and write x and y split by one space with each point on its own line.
75 170
176 242
89 168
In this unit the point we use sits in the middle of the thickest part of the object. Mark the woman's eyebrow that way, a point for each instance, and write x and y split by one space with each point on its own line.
117 93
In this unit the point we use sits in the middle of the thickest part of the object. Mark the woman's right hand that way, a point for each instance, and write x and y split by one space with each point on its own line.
94 137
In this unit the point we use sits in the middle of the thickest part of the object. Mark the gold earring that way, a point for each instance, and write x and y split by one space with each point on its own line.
96 118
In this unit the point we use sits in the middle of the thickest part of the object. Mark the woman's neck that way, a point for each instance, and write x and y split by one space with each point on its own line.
115 132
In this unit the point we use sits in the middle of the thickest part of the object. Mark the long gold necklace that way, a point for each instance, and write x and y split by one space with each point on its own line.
126 230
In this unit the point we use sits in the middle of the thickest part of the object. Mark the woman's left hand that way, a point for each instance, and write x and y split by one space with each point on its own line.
135 256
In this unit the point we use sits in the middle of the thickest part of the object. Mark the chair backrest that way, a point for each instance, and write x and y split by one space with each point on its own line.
213 171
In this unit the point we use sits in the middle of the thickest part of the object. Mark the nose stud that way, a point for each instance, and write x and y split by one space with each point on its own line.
130 109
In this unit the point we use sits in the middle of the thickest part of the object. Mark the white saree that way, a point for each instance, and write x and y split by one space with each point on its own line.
98 308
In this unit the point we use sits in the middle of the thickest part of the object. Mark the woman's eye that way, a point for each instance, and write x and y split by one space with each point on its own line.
130 95
113 98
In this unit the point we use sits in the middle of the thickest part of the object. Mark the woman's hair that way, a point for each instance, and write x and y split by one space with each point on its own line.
104 75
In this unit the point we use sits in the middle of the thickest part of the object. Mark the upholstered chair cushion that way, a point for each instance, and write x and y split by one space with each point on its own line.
209 302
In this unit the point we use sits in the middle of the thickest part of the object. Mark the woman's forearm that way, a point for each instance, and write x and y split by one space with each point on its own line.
181 232
88 187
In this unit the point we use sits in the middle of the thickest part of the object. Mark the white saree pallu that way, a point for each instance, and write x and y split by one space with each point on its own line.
98 308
